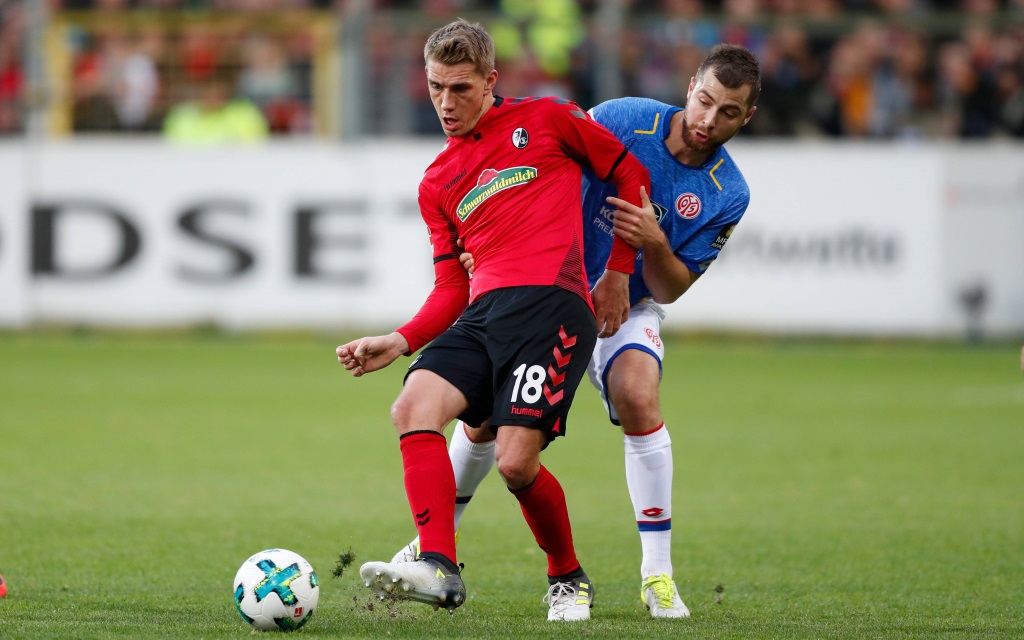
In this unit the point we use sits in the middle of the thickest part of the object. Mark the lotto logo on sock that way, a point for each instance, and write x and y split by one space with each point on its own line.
653 512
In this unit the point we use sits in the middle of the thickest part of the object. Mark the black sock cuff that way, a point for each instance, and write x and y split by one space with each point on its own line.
572 575
442 559
422 432
522 489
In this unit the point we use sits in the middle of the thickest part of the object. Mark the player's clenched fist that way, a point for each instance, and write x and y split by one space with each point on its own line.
372 353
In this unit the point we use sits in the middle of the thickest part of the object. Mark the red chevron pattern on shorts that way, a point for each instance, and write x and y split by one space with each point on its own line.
556 374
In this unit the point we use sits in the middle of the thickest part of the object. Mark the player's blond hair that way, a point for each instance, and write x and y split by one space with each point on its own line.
459 42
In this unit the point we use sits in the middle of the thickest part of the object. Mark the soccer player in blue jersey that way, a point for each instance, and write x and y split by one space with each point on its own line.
698 196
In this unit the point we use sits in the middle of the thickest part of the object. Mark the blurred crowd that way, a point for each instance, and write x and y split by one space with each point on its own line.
136 81
843 68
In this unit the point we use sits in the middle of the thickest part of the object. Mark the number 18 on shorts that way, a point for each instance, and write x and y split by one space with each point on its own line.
517 355
543 374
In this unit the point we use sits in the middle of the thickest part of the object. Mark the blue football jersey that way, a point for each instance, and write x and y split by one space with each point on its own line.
698 207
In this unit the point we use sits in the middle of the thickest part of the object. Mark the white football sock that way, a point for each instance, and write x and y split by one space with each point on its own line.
471 462
649 478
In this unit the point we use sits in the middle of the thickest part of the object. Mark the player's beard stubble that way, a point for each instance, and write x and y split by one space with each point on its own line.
692 142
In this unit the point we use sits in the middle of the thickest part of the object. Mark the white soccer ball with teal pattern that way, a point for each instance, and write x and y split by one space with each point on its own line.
276 589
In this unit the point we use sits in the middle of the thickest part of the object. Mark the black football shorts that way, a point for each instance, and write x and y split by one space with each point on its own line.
517 355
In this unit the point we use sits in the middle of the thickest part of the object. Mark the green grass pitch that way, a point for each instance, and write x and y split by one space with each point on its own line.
822 490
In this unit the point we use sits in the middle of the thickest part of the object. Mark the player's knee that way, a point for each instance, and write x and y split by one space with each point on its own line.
518 455
516 471
637 406
512 472
402 414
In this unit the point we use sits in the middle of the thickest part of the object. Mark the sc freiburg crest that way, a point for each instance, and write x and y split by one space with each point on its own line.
520 138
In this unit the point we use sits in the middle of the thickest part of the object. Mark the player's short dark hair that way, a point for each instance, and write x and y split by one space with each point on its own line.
461 41
734 66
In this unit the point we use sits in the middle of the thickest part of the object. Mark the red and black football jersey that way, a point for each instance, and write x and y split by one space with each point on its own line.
511 191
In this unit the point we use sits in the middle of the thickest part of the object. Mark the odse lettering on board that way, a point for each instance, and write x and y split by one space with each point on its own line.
307 238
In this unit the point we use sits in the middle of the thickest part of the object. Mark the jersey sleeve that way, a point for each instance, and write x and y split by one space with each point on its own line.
447 300
593 146
450 295
611 115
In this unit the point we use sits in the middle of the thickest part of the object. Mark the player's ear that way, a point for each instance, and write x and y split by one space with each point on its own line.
491 80
750 114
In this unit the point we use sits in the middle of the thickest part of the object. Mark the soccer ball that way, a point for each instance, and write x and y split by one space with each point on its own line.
276 589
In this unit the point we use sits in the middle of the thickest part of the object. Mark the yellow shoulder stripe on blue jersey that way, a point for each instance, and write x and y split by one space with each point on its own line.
712 173
653 128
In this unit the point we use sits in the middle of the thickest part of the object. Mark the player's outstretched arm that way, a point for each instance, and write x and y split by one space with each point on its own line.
372 354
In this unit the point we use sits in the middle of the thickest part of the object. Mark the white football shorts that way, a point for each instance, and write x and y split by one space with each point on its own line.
641 331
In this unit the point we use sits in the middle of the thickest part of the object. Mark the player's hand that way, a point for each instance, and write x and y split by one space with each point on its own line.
611 302
371 354
637 226
466 258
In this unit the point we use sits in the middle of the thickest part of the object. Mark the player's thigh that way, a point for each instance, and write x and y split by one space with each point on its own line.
633 389
627 366
459 357
427 401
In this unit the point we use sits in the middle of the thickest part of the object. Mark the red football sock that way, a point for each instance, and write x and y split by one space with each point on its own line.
430 487
543 503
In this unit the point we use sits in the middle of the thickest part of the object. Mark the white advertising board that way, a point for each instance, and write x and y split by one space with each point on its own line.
14 279
984 234
845 239
258 237
836 240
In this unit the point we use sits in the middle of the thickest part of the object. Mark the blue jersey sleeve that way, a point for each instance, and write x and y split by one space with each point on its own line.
703 247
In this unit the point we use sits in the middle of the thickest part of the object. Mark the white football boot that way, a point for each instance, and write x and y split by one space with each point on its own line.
659 594
571 600
425 580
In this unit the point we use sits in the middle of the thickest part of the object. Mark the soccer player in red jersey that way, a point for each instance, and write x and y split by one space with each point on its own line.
707 195
507 185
